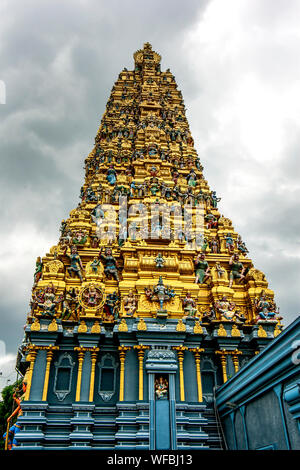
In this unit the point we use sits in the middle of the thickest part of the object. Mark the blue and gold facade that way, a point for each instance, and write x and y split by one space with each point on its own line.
149 300
97 389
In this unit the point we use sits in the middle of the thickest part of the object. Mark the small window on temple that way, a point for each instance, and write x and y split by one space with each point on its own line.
63 379
107 377
107 380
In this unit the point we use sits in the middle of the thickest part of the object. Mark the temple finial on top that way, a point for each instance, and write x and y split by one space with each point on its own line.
147 46
146 55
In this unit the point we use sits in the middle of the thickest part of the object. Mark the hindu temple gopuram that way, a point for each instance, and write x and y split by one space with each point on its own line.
149 300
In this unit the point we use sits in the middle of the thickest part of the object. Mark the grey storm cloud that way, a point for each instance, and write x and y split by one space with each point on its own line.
59 61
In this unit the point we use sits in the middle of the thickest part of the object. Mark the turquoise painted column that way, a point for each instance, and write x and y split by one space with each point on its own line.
38 376
151 413
172 411
86 374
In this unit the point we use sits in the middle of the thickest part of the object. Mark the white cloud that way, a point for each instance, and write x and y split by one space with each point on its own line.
244 113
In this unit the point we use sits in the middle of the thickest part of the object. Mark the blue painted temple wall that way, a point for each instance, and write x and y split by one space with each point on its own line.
260 406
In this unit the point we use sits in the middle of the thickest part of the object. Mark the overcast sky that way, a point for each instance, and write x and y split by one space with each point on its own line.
237 64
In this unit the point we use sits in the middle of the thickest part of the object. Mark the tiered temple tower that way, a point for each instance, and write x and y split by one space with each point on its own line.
149 299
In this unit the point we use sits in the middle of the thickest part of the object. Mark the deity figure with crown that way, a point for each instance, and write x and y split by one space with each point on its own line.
161 388
110 263
202 269
76 266
130 303
266 309
189 305
47 301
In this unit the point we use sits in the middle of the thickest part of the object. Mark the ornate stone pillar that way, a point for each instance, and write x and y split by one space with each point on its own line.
223 359
94 354
197 352
122 353
81 353
30 357
180 353
141 352
235 360
50 352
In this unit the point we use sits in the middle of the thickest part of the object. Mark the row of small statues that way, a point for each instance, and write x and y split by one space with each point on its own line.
76 267
46 301
224 309
135 231
230 245
79 236
102 156
126 177
111 269
137 82
109 158
203 272
168 115
109 261
191 179
152 187
131 110
93 163
172 135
